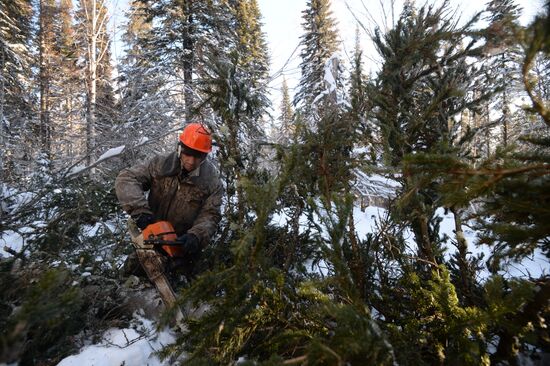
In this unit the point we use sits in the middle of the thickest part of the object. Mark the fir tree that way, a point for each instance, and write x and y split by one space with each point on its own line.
106 106
252 60
359 100
186 36
287 130
47 60
319 43
251 44
505 63
420 88
509 189
16 101
69 92
145 96
235 87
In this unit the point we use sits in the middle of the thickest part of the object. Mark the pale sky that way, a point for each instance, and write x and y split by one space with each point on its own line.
282 25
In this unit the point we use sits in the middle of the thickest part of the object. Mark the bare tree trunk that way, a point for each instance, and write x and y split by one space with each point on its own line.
92 84
505 116
92 96
422 236
188 56
44 131
2 142
96 20
487 131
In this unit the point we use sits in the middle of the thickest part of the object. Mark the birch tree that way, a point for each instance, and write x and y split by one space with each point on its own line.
93 17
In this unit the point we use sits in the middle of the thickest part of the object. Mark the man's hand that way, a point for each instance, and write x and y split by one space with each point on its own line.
190 243
143 220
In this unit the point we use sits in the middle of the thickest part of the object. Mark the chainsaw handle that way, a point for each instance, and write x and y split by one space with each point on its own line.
157 242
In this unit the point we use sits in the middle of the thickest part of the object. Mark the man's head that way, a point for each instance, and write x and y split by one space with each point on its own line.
195 142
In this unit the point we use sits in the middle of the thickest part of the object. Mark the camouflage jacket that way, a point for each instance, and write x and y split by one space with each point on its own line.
190 202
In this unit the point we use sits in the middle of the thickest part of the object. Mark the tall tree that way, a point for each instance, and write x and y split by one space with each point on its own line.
286 129
251 43
359 100
186 35
92 18
47 63
418 91
70 93
146 101
105 91
236 90
15 94
319 43
505 63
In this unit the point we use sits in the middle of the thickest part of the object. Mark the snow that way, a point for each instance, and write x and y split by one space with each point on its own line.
330 68
111 153
91 231
125 347
142 140
365 221
77 169
12 240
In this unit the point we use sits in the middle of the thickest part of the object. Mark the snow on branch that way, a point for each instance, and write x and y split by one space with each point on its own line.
111 153
330 77
115 151
77 169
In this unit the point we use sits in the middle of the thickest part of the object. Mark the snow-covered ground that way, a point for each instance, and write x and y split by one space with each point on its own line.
125 347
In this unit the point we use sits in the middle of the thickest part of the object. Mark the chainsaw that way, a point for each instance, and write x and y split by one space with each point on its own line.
153 262
162 234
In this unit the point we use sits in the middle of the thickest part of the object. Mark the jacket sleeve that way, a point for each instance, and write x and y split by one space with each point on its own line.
209 216
131 185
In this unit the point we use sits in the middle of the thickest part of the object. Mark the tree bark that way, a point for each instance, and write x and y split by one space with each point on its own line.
44 80
188 55
2 142
96 20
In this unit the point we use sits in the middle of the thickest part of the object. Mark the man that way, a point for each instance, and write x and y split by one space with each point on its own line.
184 189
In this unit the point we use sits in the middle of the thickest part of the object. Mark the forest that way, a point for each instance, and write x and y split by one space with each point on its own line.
454 122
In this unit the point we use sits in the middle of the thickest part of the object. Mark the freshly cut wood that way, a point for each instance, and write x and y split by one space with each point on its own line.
154 263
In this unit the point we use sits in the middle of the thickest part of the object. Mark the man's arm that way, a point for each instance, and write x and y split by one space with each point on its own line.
131 185
209 216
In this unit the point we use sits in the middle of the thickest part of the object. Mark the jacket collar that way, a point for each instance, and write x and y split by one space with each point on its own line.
172 166
196 172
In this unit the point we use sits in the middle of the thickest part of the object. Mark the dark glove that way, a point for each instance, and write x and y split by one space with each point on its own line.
143 220
190 243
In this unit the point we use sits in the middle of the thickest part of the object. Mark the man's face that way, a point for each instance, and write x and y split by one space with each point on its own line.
190 162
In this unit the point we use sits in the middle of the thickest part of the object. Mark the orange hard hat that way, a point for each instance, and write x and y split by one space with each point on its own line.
195 136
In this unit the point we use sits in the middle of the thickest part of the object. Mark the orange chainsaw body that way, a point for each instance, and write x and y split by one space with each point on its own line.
163 231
